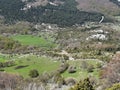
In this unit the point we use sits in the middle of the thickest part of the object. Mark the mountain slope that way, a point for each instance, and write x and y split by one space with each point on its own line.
61 12
103 6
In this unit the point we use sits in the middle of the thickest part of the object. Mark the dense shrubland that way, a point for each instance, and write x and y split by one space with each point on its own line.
64 15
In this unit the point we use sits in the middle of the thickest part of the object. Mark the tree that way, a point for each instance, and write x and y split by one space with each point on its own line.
33 73
83 85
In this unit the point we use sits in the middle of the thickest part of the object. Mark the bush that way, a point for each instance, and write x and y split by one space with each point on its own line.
90 68
66 57
99 65
58 79
84 65
7 64
83 85
33 73
99 52
2 70
63 67
70 81
115 87
45 77
72 69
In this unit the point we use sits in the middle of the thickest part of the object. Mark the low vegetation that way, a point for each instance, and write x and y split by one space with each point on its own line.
83 85
33 73
34 41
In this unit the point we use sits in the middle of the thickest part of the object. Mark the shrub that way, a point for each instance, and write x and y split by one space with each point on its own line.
2 70
72 69
58 79
33 73
70 81
84 65
83 85
90 68
7 64
115 87
63 67
99 65
66 57
99 52
45 77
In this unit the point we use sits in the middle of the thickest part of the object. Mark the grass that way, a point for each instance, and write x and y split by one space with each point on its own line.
34 40
42 64
4 58
45 64
80 72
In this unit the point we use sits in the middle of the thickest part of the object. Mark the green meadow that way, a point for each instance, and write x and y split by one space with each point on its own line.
42 64
34 41
45 64
82 73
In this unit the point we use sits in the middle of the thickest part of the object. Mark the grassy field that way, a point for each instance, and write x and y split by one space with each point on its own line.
34 40
81 73
44 64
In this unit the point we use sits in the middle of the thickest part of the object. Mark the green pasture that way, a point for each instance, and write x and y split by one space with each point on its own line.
82 73
34 40
42 64
45 64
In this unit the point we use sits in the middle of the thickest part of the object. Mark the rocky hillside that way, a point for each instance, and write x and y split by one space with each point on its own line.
104 6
